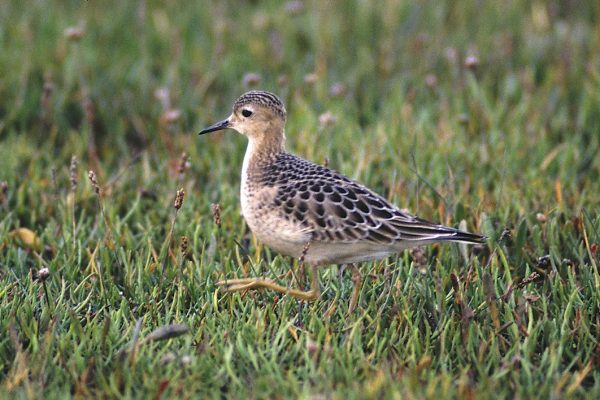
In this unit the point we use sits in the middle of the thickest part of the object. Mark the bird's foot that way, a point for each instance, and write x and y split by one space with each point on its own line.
243 284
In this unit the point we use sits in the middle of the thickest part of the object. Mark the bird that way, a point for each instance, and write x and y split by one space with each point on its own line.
311 212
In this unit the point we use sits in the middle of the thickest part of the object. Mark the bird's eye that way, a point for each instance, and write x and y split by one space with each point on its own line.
246 113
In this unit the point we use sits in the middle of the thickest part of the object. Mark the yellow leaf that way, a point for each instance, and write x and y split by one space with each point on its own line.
71 200
293 331
558 191
27 238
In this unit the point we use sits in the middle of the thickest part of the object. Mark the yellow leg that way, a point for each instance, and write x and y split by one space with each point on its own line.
236 285
246 281
357 280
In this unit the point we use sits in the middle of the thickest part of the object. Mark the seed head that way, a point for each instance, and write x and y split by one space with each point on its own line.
185 360
535 276
431 80
506 236
338 89
541 217
43 274
544 262
75 33
419 259
162 94
94 181
251 79
451 54
179 198
3 191
48 88
45 98
171 116
183 245
311 79
326 119
73 173
472 62
216 212
294 7
282 80
183 163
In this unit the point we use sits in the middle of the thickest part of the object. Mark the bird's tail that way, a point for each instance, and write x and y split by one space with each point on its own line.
422 231
466 237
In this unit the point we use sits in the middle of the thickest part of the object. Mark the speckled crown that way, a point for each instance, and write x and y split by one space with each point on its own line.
265 99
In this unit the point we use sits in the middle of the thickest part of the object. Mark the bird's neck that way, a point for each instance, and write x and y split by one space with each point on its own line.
263 150
258 161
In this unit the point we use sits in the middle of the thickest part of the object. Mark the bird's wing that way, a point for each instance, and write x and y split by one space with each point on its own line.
336 209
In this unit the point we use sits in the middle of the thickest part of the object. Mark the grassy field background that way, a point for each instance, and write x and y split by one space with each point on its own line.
458 111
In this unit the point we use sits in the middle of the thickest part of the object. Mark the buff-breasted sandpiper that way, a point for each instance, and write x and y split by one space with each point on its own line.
302 209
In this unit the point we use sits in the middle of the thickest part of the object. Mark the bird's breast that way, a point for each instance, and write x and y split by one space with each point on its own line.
269 223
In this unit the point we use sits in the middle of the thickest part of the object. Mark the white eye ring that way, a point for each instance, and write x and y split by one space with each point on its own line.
246 113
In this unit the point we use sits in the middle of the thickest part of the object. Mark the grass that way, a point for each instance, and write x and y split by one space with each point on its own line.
458 111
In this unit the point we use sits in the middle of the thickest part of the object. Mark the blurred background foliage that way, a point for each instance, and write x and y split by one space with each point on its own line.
476 110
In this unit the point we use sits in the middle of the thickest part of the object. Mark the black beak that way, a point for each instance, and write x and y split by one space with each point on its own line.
216 127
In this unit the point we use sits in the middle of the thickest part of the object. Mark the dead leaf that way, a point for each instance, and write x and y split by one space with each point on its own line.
166 332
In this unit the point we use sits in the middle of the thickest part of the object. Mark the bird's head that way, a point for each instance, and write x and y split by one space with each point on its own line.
258 115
